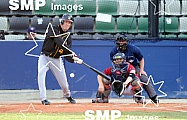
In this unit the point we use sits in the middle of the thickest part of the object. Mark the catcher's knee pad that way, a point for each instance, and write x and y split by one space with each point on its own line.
143 78
136 85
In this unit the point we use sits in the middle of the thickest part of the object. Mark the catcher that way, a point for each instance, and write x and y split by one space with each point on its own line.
124 81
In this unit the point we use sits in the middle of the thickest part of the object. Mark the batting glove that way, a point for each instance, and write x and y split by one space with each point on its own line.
77 60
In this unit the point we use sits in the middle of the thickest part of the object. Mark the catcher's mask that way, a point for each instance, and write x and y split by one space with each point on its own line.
118 87
67 17
121 42
119 60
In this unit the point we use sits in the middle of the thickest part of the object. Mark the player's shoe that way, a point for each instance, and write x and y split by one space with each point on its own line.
46 102
139 100
100 100
71 100
155 99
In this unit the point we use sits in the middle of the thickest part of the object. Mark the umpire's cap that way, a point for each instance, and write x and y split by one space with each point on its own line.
67 17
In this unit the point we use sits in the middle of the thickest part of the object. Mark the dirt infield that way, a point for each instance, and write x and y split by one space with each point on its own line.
82 107
28 100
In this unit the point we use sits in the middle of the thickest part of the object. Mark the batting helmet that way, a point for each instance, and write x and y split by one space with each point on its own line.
67 17
119 39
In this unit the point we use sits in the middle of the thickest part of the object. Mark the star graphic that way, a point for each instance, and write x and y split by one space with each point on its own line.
64 35
27 110
162 11
136 95
163 93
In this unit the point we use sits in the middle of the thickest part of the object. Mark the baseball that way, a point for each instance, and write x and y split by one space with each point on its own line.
72 75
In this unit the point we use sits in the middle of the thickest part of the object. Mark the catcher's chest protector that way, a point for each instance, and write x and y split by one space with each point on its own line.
120 74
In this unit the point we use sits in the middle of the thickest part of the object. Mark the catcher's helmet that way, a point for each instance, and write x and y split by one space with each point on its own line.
121 38
67 17
118 56
119 59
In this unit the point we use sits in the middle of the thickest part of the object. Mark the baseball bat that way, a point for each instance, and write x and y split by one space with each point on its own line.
97 71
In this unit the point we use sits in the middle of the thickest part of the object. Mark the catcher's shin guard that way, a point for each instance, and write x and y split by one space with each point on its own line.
101 97
139 99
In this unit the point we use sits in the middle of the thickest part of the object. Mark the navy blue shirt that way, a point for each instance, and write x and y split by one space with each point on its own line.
132 53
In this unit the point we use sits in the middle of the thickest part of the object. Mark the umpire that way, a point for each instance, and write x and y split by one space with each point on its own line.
56 44
135 57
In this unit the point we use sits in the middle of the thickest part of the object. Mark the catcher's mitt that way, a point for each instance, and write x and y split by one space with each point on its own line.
118 87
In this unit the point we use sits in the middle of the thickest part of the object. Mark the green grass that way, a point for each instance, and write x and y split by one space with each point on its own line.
80 116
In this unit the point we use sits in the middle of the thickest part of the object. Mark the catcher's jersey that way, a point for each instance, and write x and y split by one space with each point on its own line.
132 53
119 74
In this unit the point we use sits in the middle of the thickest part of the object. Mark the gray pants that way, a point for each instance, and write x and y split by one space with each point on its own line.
57 67
149 87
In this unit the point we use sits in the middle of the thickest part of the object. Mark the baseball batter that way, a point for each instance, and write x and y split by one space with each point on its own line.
135 57
52 51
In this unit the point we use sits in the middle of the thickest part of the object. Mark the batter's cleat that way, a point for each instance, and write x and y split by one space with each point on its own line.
46 102
100 100
71 100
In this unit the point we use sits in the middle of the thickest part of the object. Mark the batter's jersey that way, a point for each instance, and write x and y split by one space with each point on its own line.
52 45
132 53
119 74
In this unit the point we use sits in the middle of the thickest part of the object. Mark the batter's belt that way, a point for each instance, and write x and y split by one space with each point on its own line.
48 55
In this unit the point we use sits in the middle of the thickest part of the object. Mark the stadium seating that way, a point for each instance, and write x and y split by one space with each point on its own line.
18 24
169 25
143 7
184 7
40 23
56 20
171 7
168 36
143 25
128 16
127 25
83 24
183 26
4 7
45 10
108 7
128 7
4 23
66 7
182 36
22 12
14 37
89 7
105 27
